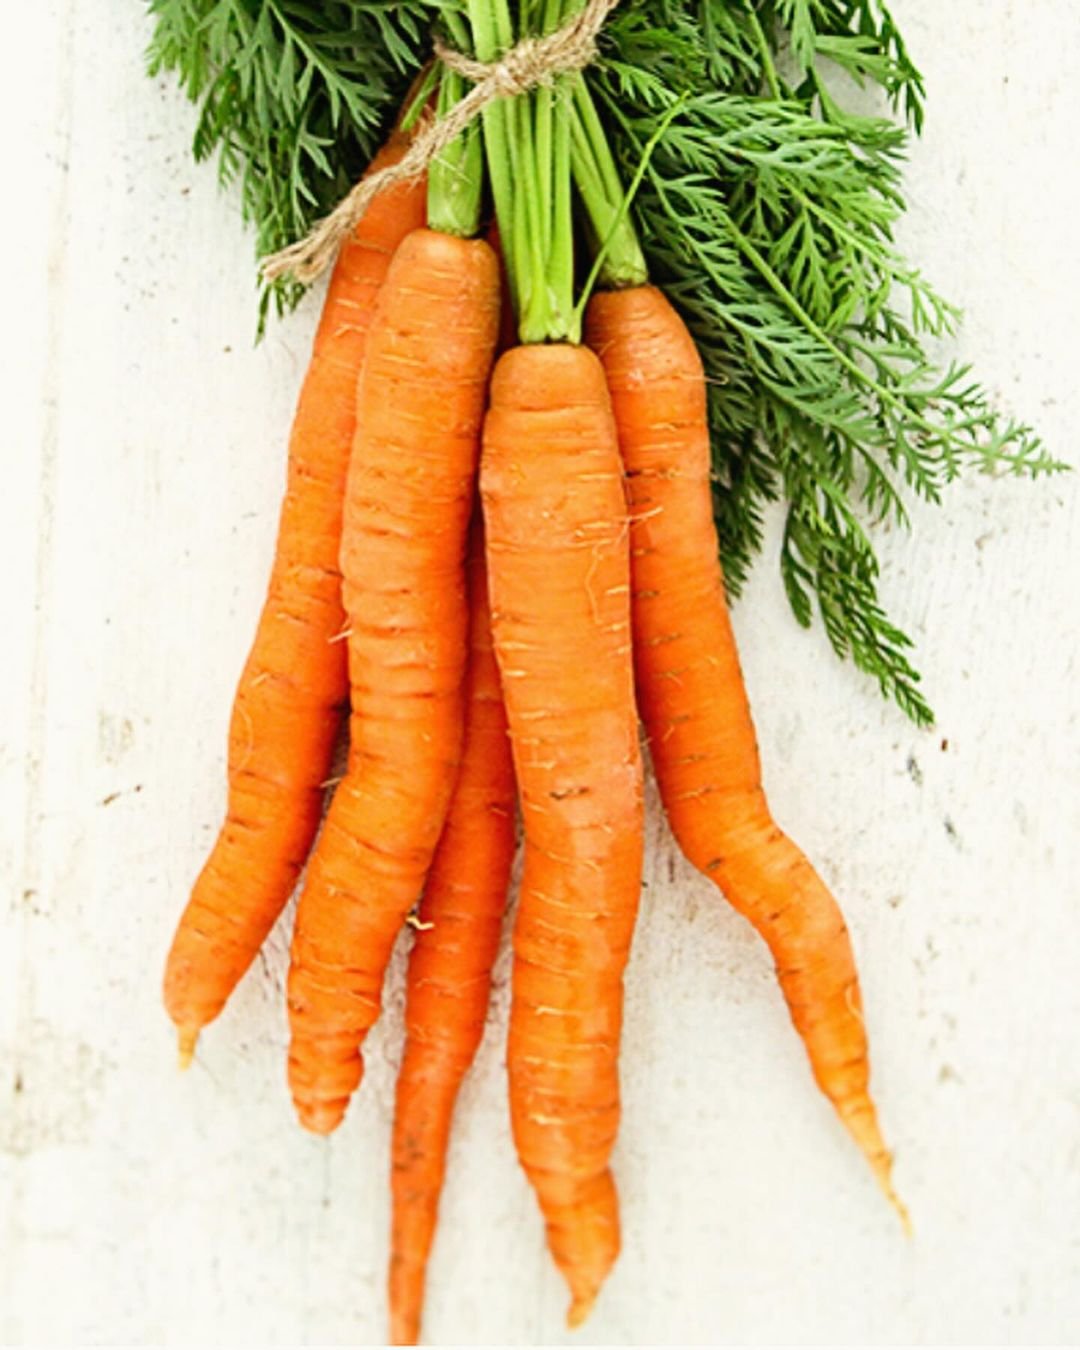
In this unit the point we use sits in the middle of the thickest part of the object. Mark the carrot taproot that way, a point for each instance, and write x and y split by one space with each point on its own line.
558 566
448 982
694 705
449 975
288 705
408 497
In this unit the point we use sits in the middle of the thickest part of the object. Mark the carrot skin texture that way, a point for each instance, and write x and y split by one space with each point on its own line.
289 702
558 567
408 497
449 975
694 705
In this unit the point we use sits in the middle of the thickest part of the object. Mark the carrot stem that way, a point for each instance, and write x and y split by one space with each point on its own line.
456 176
529 153
768 67
624 277
492 33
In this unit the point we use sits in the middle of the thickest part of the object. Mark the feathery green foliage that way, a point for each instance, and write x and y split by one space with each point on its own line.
767 211
293 96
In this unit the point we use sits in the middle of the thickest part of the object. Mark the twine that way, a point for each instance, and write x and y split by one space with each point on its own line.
532 62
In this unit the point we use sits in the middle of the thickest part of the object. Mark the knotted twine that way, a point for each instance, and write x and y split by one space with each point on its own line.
532 62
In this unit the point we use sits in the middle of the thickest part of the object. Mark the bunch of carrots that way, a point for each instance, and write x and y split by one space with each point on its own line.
497 551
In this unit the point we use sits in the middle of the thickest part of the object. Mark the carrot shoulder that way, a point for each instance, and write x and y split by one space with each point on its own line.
449 976
694 705
287 709
558 567
408 498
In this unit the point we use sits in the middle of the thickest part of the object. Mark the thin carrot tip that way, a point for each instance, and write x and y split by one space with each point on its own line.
320 1117
901 1211
187 1039
883 1172
580 1309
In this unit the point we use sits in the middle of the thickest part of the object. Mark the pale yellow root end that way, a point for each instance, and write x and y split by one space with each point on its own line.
885 1182
187 1039
863 1128
579 1311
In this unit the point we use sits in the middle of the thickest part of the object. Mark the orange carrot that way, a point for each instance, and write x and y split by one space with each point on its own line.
449 978
288 705
694 705
410 488
558 562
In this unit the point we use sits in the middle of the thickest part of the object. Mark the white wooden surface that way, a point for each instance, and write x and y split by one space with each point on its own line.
142 473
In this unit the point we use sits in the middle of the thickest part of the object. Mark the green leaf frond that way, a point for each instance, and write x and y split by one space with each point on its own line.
767 212
769 220
293 97
859 36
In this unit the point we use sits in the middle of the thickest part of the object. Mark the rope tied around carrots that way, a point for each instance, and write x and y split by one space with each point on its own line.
530 63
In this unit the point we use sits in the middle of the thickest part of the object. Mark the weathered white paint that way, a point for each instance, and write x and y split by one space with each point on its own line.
141 481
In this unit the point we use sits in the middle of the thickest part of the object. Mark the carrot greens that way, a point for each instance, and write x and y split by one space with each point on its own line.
768 214
293 97
767 211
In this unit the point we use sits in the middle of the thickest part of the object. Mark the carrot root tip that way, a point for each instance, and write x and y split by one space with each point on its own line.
580 1309
404 1332
900 1208
187 1039
320 1117
883 1172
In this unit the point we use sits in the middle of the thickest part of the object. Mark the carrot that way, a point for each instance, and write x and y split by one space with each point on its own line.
410 488
558 564
449 976
287 709
694 705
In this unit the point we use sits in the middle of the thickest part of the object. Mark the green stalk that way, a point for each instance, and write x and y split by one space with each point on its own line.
531 208
562 244
768 67
492 33
544 130
592 130
528 142
597 180
420 95
561 254
455 177
600 270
